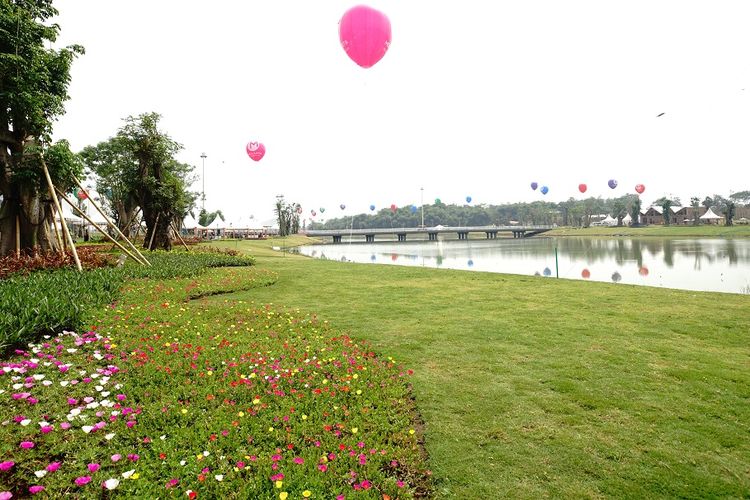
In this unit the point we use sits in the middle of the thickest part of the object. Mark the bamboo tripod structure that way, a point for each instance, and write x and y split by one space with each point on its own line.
59 211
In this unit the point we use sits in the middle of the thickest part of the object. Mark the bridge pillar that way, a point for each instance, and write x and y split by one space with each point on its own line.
401 236
432 236
337 238
370 238
491 235
463 235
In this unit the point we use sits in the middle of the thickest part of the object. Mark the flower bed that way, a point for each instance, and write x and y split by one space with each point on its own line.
170 398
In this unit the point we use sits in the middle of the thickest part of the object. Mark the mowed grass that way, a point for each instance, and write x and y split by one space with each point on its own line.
706 231
533 387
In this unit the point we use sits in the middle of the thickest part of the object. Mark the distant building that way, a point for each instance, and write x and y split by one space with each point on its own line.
679 215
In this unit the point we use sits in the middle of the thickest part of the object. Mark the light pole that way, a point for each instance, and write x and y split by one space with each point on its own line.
203 176
421 202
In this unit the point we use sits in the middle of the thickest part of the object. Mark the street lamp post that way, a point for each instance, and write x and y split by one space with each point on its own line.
421 202
203 176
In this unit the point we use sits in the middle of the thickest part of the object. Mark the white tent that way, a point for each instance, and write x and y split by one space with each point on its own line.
710 216
609 221
627 220
217 224
190 222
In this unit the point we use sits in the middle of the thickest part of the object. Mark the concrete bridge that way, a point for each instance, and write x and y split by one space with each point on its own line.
431 232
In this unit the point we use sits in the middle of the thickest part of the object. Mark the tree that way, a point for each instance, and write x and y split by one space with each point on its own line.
727 206
695 202
205 219
635 211
741 197
620 209
287 215
666 205
136 169
33 87
114 168
708 202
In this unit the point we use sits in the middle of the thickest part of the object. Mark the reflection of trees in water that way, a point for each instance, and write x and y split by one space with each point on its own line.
730 250
637 252
669 253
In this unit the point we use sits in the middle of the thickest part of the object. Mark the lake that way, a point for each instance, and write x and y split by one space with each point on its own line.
718 265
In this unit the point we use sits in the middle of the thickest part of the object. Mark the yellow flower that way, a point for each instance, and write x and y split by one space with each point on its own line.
256 401
209 373
355 376
359 392
241 414
279 484
270 429
184 411
283 495
355 430
307 493
135 476
411 431
304 417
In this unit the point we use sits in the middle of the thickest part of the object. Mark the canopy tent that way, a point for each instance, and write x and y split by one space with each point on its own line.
609 221
217 224
190 223
710 216
627 219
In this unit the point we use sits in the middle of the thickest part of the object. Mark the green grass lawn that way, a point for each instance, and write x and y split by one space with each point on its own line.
709 231
533 387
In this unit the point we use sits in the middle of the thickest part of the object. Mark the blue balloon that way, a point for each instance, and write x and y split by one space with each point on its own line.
468 199
470 263
545 190
372 257
547 271
534 185
413 209
372 207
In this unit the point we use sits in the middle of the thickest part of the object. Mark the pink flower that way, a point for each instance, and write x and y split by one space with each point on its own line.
240 465
47 429
277 477
27 444
72 401
21 395
32 401
6 495
340 497
80 481
64 426
172 483
4 466
93 467
299 460
130 424
366 484
116 457
52 467
63 369
323 467
36 489
400 484
133 457
121 397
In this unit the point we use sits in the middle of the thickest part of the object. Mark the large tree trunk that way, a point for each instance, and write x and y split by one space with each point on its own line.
161 240
34 214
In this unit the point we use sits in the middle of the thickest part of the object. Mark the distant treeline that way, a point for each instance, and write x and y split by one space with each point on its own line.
568 213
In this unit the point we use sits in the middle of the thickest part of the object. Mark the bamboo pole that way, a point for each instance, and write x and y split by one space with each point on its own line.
153 232
18 236
59 210
106 235
60 245
178 235
111 224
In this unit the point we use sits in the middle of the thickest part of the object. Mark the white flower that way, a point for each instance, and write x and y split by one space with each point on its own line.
118 386
163 437
47 383
92 405
25 422
129 473
105 394
99 388
43 423
17 386
182 462
40 473
87 428
219 477
75 412
71 350
38 376
109 436
205 453
64 383
98 356
111 484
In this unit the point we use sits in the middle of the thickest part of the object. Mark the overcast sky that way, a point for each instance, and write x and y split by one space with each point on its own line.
474 97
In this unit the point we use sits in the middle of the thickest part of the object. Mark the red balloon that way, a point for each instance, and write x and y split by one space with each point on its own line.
582 188
255 150
394 208
585 274
82 195
640 188
643 271
365 34
394 257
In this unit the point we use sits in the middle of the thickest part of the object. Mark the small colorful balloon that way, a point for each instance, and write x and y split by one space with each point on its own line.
640 188
612 183
534 185
468 199
372 207
585 274
582 188
255 150
394 208
544 190
342 206
413 209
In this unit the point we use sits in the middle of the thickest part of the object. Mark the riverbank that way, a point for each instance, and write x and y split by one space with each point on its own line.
532 387
704 231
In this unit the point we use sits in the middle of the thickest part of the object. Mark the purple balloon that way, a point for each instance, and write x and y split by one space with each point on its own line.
612 183
534 185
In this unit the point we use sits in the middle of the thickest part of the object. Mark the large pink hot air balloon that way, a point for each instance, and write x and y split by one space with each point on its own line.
255 150
365 34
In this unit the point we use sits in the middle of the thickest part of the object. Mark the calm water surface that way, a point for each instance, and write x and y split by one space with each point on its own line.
720 265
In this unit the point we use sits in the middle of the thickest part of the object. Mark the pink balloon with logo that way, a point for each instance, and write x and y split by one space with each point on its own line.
255 150
365 35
